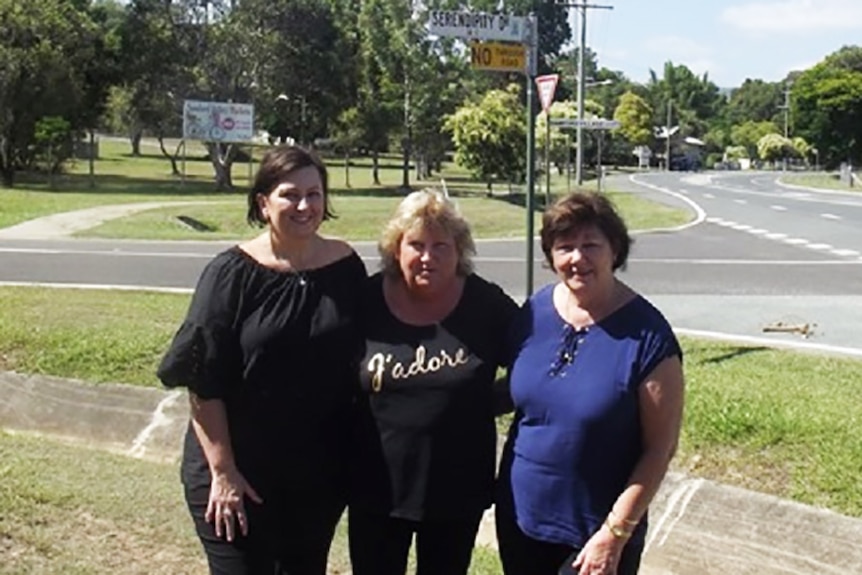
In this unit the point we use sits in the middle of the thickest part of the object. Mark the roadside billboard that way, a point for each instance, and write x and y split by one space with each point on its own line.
218 121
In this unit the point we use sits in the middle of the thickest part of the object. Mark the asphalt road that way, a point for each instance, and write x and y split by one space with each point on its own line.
758 255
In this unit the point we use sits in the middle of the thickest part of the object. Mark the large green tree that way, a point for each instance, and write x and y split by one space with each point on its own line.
755 101
694 101
46 50
749 134
635 117
827 107
490 137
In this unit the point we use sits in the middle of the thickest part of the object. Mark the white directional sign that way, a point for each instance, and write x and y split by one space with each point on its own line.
477 25
587 123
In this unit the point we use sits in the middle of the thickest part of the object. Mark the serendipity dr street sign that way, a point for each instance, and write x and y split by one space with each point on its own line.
587 123
497 56
478 25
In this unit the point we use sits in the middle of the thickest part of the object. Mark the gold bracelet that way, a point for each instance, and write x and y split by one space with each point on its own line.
616 531
630 522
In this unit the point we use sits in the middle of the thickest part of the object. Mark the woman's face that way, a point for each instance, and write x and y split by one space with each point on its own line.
295 207
584 259
428 258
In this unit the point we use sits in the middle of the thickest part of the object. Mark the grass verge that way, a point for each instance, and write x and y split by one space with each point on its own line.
823 181
361 218
364 205
78 511
771 420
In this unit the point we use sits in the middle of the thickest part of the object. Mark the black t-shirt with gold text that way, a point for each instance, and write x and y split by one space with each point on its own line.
425 430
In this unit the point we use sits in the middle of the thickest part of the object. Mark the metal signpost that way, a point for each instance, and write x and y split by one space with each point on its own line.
521 55
600 124
546 86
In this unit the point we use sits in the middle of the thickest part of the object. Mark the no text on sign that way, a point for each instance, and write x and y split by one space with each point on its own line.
477 25
496 56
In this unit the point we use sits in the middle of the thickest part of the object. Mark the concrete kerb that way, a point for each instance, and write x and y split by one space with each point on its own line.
697 526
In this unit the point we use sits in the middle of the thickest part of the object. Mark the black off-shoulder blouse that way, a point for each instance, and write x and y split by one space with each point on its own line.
279 348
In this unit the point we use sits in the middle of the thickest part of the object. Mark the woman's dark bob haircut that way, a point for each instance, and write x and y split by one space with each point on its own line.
276 165
579 210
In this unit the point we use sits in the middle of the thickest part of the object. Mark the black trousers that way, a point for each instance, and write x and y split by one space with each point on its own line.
284 537
379 545
523 555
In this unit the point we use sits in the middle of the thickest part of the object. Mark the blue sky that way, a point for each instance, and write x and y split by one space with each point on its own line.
730 39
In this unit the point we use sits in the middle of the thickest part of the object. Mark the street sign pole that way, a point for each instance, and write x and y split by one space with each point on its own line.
529 200
504 28
547 158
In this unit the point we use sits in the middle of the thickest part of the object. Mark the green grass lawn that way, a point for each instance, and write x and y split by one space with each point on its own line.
72 510
360 218
774 421
825 181
364 206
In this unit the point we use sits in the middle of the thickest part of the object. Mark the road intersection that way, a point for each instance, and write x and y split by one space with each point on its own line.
756 255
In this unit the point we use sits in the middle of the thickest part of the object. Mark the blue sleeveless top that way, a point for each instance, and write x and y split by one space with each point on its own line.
576 437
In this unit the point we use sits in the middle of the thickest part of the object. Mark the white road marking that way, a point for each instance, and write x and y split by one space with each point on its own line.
119 287
700 215
778 208
709 196
56 252
755 340
731 262
772 236
830 216
743 202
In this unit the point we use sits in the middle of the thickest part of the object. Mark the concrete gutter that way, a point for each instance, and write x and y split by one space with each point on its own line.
698 527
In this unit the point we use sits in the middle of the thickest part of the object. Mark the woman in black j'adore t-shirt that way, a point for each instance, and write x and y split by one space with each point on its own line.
267 353
435 335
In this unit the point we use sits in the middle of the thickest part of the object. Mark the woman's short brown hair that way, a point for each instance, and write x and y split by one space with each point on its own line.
274 168
581 209
426 208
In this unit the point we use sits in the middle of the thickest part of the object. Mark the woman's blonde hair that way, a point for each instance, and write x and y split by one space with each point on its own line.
426 208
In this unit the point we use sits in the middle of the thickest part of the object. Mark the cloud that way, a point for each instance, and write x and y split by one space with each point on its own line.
694 55
795 15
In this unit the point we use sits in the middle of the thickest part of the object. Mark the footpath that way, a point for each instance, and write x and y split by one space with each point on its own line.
698 527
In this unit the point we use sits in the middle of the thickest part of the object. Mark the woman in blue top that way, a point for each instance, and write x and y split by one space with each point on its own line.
597 384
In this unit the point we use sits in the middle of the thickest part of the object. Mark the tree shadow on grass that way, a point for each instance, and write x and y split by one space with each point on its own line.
118 185
734 353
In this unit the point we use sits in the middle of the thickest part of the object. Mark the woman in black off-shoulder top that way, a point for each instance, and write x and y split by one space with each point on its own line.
267 353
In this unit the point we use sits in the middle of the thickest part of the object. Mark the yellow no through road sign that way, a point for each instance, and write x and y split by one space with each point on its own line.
498 56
